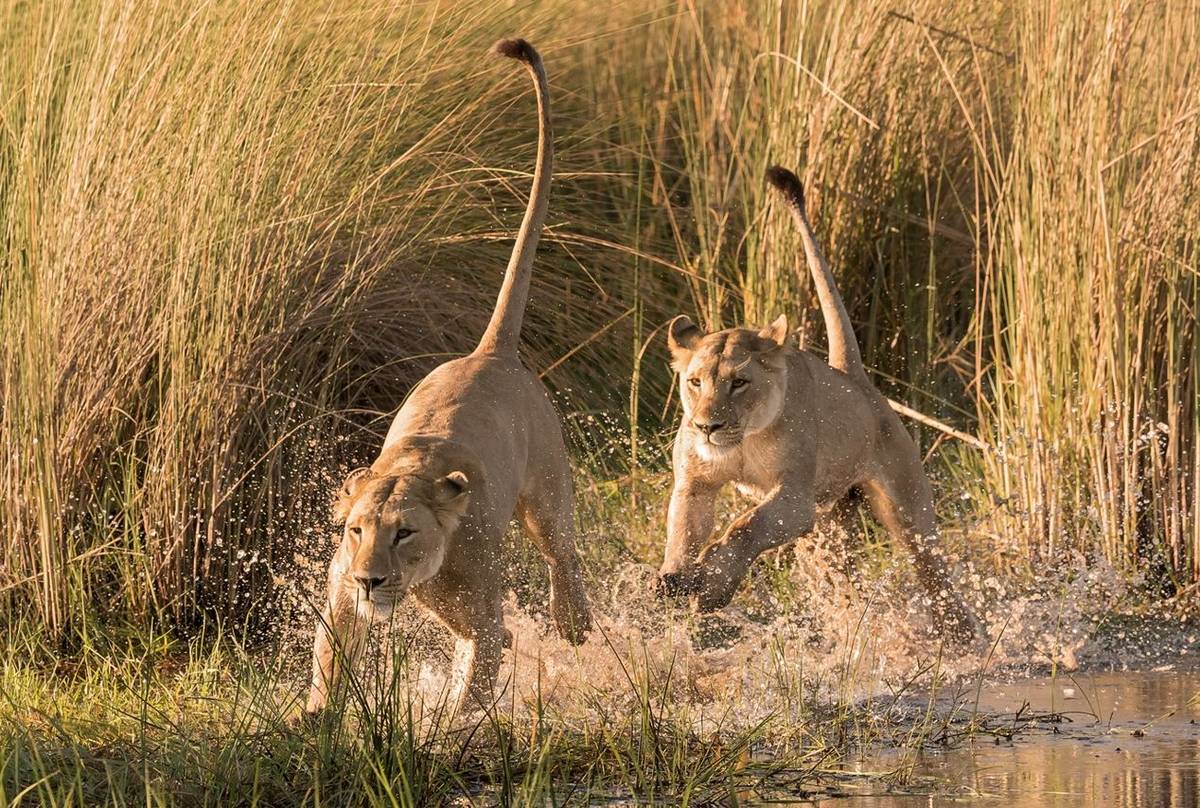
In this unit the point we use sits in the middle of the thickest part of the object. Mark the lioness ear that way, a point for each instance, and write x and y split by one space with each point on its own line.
450 493
349 490
682 338
776 332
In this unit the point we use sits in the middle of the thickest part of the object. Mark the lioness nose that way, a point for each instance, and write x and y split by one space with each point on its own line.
368 583
708 427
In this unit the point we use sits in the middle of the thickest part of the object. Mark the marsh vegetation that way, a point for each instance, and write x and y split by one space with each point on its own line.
234 234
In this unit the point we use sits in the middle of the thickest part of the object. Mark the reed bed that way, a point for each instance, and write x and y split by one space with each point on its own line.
234 234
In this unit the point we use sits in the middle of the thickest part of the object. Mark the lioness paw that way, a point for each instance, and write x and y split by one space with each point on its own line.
572 618
303 720
716 588
955 623
575 631
676 584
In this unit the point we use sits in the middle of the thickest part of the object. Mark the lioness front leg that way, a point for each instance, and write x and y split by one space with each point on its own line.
472 610
477 652
785 515
690 520
340 636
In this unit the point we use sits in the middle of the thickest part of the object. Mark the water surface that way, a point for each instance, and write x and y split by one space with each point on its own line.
1124 739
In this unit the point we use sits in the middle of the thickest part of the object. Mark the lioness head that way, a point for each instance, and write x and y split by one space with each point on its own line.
397 528
731 382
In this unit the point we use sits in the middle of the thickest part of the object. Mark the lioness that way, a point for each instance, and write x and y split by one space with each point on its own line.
476 442
794 433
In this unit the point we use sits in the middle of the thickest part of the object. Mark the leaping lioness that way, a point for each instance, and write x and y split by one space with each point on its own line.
476 443
794 433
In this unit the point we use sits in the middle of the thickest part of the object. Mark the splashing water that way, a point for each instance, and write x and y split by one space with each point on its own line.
828 641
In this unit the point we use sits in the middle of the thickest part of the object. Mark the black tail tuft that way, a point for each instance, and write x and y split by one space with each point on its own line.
788 184
515 49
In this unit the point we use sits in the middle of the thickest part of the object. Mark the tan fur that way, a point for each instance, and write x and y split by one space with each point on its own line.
796 435
476 443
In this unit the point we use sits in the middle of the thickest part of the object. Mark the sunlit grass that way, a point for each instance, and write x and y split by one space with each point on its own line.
148 720
235 237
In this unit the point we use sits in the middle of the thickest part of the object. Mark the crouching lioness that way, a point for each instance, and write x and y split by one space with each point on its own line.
794 433
476 442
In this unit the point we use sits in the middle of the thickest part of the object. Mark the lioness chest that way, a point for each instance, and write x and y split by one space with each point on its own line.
754 467
763 461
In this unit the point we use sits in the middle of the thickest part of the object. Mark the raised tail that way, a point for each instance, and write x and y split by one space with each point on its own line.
503 334
843 347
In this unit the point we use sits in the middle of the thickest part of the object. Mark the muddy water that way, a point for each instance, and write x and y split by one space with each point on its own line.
1124 740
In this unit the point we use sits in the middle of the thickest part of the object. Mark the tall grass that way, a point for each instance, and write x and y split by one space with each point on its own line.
234 238
1088 286
234 234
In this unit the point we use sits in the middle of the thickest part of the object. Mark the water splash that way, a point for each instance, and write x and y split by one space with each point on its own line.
809 635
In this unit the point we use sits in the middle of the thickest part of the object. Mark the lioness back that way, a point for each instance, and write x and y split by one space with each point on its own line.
493 405
471 395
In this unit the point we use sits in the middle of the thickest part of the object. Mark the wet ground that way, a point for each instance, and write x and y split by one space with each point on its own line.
1106 739
1124 739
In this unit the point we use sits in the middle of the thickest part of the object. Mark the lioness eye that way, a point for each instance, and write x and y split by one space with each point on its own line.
694 382
737 383
356 532
401 535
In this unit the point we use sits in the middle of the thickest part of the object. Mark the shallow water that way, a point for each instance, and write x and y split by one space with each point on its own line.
772 657
1126 739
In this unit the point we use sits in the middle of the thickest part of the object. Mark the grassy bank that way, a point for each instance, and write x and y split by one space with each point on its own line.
213 730
148 720
142 717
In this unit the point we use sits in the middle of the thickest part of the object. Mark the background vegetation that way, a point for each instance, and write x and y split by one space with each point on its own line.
235 233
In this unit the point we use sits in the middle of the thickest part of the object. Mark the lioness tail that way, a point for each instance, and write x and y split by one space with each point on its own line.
843 347
503 334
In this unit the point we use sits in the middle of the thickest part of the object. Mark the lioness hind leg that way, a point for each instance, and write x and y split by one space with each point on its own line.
829 556
904 505
548 522
839 535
